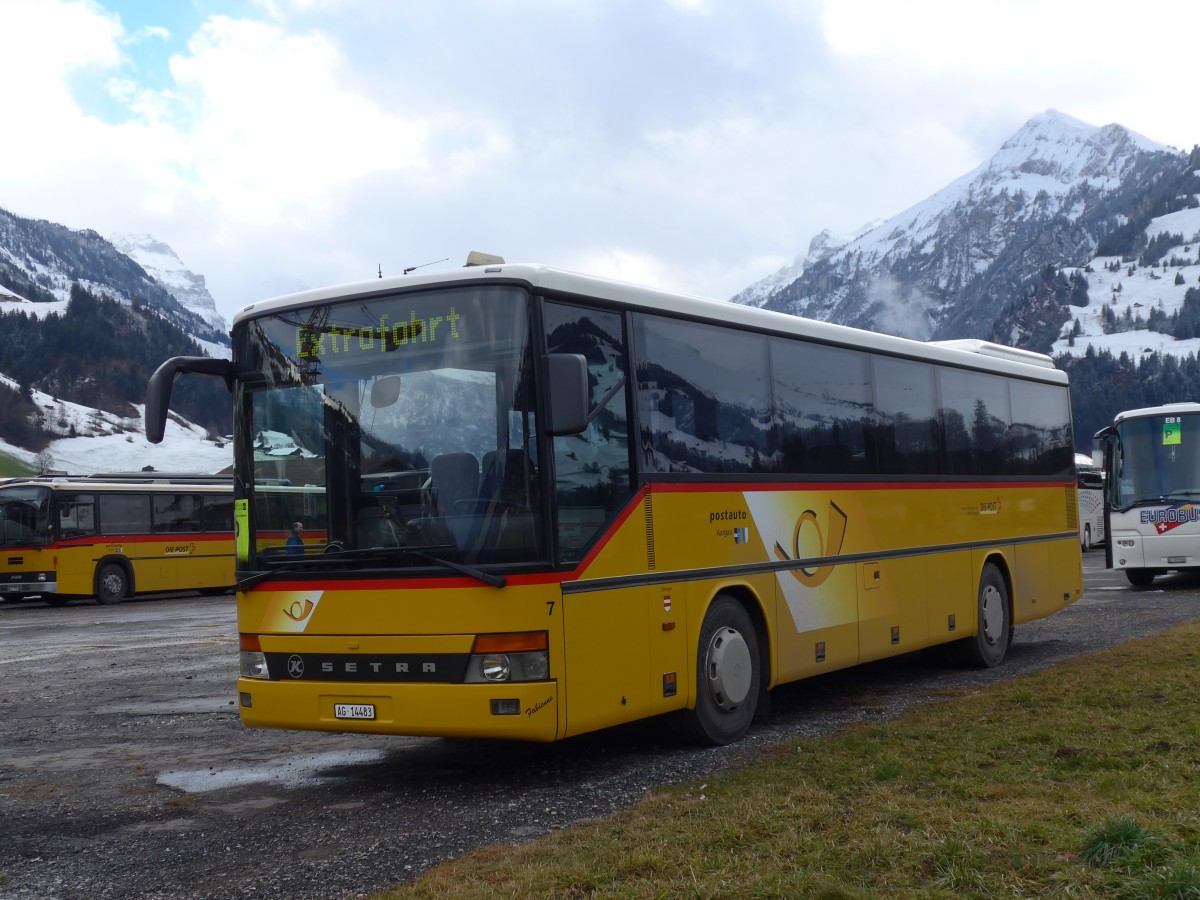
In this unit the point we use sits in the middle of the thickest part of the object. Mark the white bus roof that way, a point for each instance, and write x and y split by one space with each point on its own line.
969 353
1168 409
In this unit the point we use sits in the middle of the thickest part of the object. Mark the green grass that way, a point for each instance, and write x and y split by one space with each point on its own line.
1078 781
10 467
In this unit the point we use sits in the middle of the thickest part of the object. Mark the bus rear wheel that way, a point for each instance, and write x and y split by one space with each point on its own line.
994 633
112 583
728 675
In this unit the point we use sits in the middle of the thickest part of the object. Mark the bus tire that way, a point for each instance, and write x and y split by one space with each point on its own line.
989 645
1140 577
112 583
728 675
1086 543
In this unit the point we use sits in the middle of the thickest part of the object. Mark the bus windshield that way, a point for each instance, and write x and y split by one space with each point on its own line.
25 516
1156 459
403 423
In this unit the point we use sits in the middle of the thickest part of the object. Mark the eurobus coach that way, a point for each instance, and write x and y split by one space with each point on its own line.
1151 460
555 503
110 536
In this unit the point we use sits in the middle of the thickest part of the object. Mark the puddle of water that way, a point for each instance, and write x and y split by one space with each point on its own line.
294 771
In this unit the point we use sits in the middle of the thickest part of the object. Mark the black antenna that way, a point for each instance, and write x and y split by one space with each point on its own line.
381 270
423 265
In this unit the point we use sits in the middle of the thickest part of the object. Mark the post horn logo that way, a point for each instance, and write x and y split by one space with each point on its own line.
829 539
298 611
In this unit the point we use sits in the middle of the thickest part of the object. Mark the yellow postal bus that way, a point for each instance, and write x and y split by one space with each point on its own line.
554 503
110 536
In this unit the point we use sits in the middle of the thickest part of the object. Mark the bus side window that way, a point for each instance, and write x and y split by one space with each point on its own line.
591 468
76 515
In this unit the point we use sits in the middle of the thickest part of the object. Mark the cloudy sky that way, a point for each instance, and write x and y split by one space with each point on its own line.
696 145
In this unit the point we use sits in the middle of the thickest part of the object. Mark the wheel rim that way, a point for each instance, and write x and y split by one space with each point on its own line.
112 582
992 613
729 670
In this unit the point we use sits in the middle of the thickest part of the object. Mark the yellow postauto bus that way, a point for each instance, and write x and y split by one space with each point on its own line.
554 503
111 536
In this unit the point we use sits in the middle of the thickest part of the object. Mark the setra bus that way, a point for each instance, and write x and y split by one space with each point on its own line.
554 503
1151 460
110 536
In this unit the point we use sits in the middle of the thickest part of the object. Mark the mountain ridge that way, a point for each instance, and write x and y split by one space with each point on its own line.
942 268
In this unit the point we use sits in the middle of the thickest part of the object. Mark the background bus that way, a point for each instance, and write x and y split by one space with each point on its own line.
1090 483
554 503
1152 499
111 536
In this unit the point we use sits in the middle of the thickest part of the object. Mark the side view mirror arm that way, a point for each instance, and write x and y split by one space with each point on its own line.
158 390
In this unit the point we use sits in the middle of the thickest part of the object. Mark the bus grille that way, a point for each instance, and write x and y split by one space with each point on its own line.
1072 509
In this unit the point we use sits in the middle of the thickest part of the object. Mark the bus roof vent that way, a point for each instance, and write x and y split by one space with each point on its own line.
999 351
475 258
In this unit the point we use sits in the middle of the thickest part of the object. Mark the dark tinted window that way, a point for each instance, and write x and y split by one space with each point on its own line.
905 438
975 419
1041 431
218 512
822 399
177 512
703 398
124 513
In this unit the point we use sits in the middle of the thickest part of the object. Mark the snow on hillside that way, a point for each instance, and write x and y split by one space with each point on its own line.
1135 293
103 442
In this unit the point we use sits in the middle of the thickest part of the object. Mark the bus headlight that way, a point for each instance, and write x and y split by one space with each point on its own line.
252 662
501 658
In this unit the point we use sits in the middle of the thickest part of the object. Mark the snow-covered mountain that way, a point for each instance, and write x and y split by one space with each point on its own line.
40 261
161 264
964 263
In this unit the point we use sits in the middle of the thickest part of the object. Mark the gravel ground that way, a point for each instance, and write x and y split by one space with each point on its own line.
126 772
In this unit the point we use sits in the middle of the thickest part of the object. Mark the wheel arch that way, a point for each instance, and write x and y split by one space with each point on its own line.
749 599
1001 562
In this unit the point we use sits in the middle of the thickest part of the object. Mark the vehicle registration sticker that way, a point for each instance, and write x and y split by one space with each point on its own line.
354 710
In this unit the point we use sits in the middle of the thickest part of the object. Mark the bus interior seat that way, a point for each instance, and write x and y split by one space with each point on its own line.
455 478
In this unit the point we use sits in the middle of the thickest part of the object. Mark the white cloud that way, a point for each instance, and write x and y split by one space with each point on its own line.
691 144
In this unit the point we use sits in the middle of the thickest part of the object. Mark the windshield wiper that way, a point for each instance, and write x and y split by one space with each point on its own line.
303 564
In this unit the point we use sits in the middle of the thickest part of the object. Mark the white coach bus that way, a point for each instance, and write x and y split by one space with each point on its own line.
1152 496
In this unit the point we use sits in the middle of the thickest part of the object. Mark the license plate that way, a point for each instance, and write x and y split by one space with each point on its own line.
354 710
1177 560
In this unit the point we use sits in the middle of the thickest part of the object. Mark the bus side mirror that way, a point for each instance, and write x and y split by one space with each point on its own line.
568 393
158 391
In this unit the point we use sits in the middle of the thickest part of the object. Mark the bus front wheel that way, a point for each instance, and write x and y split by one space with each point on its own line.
112 583
728 675
1140 577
